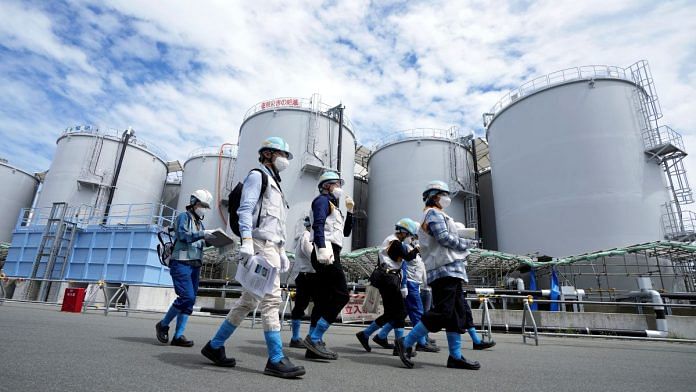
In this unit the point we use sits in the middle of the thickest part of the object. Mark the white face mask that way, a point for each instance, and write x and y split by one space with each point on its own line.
281 163
337 192
444 202
200 211
407 241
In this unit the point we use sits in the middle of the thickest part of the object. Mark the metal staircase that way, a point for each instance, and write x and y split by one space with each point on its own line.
665 147
53 253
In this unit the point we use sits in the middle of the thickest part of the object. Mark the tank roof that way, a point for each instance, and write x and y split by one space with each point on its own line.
294 103
452 134
114 134
4 162
557 78
213 151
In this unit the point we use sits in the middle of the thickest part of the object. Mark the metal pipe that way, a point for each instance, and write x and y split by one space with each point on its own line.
340 137
479 221
127 134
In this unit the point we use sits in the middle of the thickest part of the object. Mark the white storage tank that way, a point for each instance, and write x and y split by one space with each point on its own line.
402 165
311 130
209 168
84 165
569 171
18 192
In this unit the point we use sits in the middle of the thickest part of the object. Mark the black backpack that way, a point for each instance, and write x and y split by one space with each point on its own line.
166 246
235 198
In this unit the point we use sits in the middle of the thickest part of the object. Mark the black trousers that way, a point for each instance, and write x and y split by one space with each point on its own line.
305 291
331 288
450 310
389 286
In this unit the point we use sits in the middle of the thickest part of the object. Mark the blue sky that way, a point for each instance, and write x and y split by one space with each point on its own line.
184 73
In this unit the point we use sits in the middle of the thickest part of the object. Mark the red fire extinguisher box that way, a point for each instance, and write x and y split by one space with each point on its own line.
72 300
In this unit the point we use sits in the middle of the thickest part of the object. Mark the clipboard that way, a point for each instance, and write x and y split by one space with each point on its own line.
219 239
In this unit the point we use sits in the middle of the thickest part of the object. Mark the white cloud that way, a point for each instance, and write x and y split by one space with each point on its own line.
185 73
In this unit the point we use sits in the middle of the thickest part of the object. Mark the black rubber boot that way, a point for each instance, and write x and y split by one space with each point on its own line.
364 340
405 353
162 332
181 341
296 343
384 343
283 369
217 355
462 363
483 345
319 349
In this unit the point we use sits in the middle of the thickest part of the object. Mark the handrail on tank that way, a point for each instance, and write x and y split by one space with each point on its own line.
558 77
119 214
230 151
294 103
452 133
661 136
114 133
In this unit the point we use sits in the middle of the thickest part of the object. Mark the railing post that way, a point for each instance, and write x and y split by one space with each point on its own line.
534 334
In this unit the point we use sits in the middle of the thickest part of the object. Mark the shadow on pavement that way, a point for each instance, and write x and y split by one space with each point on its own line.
140 340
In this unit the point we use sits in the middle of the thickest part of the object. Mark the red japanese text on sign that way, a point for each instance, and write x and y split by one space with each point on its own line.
280 102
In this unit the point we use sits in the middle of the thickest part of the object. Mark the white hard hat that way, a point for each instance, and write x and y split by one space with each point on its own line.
202 196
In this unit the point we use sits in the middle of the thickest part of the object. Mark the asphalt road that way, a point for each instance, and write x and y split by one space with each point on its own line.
42 349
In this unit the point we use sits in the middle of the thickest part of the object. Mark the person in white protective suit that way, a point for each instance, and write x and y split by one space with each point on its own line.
262 226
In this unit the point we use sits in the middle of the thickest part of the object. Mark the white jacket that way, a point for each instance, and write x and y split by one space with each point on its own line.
384 259
303 253
435 255
333 227
273 215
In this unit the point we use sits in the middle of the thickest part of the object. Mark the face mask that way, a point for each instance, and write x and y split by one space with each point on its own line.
444 202
337 193
407 241
200 211
281 163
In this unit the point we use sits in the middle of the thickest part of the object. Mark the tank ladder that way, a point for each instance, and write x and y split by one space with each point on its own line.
56 245
665 147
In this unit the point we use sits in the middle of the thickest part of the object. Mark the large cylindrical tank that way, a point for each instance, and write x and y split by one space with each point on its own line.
209 168
569 170
83 167
311 129
402 165
18 192
171 193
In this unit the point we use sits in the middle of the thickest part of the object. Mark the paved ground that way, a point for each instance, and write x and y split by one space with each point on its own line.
44 349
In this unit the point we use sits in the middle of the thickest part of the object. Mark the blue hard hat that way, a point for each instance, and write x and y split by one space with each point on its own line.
408 225
275 143
330 176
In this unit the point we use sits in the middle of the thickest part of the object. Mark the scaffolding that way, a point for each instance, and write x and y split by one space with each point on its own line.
602 274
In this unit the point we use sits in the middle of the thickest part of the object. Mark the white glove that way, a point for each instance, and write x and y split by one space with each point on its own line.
208 234
284 261
404 292
247 249
350 204
325 256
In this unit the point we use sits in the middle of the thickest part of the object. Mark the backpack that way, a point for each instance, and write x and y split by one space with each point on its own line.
235 199
166 246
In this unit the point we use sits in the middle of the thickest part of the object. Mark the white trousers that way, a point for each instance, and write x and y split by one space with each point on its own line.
270 304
